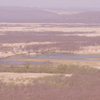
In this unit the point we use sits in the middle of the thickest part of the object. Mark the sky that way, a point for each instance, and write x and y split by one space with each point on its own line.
52 3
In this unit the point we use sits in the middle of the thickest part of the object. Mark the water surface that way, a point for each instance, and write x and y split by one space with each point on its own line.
51 56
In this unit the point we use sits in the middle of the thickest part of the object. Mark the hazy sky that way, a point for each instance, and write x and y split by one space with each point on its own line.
52 3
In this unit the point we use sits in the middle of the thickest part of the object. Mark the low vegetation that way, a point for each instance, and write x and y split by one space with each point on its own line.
55 38
84 82
80 86
45 68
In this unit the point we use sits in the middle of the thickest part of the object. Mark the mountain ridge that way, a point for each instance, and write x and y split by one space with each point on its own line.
40 15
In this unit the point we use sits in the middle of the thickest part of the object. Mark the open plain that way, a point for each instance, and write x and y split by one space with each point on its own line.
33 39
48 38
43 61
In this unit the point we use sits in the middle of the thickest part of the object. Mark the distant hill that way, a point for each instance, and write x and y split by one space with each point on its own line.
37 15
84 17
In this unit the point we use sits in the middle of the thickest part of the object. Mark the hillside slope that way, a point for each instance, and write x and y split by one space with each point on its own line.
37 15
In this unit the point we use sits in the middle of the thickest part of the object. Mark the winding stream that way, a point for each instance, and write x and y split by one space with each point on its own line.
56 56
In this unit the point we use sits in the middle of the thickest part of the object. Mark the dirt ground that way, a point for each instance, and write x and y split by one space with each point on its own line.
24 78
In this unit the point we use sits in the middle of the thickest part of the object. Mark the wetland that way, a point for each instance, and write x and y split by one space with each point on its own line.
38 60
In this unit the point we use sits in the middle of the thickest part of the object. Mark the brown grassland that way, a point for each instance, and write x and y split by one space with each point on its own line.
54 79
82 83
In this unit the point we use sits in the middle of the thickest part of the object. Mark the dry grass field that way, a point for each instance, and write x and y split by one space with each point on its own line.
43 38
54 78
83 84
